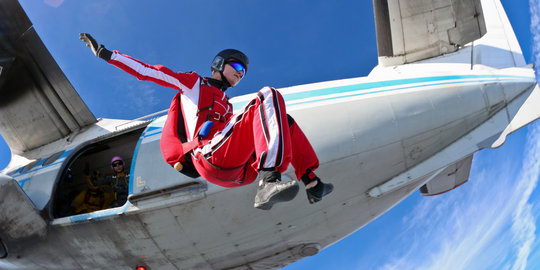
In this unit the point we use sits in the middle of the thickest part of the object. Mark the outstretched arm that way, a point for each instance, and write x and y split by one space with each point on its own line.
158 74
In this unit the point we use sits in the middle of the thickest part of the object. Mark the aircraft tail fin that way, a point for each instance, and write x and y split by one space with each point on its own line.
499 48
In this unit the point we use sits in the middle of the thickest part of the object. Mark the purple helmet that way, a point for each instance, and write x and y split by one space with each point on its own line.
116 158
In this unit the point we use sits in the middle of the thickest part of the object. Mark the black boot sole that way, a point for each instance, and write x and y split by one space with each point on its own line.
283 196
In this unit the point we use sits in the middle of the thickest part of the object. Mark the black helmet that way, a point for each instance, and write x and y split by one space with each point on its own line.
228 55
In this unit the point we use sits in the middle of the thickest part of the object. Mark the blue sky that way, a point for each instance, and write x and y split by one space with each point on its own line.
488 223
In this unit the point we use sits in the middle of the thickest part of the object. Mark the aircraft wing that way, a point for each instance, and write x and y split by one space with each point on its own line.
38 104
412 30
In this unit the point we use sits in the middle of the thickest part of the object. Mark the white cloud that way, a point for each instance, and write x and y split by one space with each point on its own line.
136 98
142 97
53 3
524 222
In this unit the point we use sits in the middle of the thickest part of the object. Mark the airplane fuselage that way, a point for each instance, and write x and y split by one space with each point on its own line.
366 131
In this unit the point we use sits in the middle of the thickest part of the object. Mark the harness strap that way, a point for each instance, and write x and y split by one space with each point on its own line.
186 148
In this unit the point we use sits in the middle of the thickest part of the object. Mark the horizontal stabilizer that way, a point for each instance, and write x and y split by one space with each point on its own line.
450 178
412 30
38 105
527 113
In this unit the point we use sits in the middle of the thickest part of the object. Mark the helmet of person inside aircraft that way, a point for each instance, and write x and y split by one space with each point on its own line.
116 158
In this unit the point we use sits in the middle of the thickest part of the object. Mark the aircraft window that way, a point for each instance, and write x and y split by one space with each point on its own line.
53 158
29 166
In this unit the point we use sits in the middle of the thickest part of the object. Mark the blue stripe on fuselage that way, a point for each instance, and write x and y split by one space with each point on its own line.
39 166
425 81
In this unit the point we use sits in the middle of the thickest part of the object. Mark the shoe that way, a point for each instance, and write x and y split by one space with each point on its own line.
272 190
317 192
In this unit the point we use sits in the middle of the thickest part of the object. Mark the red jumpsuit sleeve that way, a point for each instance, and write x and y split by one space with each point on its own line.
157 73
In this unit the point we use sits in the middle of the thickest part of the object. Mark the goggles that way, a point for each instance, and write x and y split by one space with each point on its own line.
238 67
117 163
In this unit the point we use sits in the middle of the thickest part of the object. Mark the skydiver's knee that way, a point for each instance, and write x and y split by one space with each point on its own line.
270 92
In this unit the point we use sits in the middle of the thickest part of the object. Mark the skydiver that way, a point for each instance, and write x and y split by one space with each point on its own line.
228 149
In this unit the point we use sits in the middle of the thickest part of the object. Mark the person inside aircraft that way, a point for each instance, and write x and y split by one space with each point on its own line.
94 197
228 149
118 181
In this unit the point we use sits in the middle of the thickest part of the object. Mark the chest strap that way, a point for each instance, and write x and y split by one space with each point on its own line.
189 146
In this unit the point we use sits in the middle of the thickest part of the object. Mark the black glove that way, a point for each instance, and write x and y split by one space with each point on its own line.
98 50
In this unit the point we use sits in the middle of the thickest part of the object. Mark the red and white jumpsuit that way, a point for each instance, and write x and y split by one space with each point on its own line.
261 136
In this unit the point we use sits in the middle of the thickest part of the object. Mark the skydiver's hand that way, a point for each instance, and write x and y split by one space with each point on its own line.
90 42
98 50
